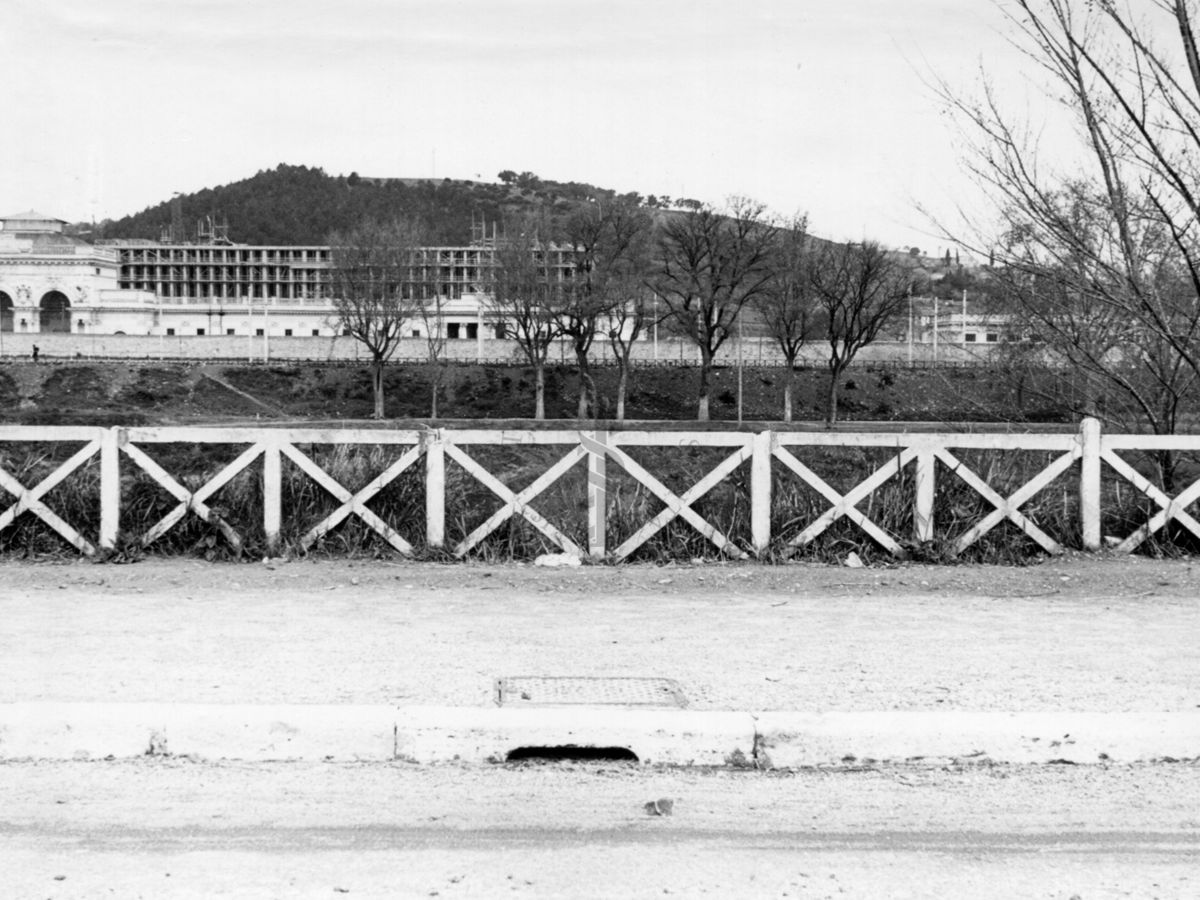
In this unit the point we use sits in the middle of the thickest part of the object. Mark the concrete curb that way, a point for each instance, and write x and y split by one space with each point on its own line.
793 740
656 736
292 732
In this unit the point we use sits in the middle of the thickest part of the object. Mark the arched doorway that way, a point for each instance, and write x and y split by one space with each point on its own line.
6 313
55 314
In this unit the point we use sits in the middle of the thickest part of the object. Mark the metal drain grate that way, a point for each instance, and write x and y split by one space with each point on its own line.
539 690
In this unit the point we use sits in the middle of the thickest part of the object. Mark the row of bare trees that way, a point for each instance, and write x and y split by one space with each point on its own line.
609 272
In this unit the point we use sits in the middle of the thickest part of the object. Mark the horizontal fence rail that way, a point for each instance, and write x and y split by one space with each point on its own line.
639 477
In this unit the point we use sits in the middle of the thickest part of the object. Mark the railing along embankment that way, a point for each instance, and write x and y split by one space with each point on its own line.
615 495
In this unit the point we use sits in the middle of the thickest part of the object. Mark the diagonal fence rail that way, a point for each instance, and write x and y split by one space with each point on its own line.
917 465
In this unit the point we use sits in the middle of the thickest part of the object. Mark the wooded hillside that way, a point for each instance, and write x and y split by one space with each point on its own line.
298 205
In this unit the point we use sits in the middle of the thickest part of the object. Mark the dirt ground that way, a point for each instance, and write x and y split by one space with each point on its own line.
1075 633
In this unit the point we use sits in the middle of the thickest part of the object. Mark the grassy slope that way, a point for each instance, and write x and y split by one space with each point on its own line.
116 393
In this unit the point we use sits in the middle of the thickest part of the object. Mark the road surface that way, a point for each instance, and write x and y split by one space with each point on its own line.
178 828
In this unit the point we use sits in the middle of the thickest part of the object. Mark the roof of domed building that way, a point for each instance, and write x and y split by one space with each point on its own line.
32 221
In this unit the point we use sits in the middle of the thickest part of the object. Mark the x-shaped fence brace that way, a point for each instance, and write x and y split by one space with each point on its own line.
678 505
846 504
1171 507
192 501
30 499
1005 507
353 503
593 447
196 501
1008 507
516 503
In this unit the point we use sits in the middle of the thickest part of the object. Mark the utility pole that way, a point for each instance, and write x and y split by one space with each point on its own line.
935 326
910 327
739 365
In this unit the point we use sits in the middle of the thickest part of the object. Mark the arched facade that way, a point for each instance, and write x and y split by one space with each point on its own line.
54 313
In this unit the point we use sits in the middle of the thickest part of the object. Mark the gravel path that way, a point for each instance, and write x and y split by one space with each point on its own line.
1103 634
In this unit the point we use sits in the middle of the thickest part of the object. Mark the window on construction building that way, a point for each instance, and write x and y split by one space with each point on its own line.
258 332
452 331
200 332
287 332
472 330
316 332
170 332
970 337
992 337
230 331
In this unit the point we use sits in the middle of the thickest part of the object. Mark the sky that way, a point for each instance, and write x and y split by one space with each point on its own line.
817 106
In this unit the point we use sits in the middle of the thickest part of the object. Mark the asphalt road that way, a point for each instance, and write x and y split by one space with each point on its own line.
174 828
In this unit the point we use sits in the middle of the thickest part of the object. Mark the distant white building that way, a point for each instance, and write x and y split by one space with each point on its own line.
52 282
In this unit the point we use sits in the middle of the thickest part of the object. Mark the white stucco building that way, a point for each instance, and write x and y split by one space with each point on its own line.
52 282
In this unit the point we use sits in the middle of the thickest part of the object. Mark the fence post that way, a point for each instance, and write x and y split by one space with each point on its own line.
435 488
925 489
595 444
272 493
110 486
1089 483
760 492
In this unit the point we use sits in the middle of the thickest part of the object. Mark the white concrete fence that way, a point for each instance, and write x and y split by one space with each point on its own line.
766 452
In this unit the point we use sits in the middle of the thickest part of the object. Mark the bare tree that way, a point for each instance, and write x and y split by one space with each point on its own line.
788 306
710 264
860 289
526 293
607 248
1100 258
373 284
626 325
430 309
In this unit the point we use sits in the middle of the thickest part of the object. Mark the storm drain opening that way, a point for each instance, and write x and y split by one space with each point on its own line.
571 753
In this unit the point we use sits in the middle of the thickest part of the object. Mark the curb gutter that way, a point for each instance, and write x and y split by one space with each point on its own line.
424 734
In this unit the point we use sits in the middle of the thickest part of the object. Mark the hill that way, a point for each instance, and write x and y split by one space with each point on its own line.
298 205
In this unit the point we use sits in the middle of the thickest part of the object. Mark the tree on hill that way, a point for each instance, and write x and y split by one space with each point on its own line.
375 287
708 265
299 205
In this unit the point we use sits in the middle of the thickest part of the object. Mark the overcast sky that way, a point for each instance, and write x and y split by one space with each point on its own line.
814 105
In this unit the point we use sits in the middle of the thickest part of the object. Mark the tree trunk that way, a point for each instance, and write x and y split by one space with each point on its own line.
705 372
622 382
433 400
587 387
831 409
377 386
539 392
787 396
